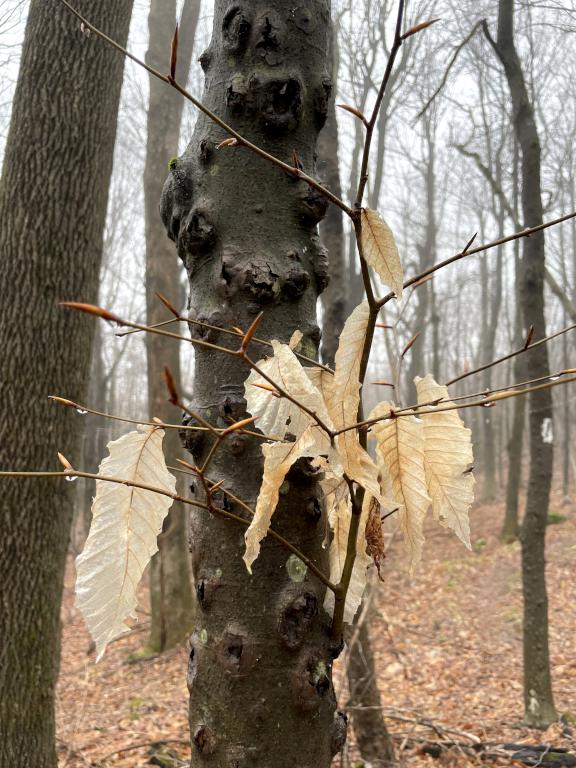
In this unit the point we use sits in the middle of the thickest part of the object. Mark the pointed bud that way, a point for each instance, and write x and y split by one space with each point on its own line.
410 343
188 465
422 281
469 243
238 425
296 161
168 304
171 386
529 337
249 335
174 54
267 388
353 111
418 28
231 142
65 463
63 401
91 309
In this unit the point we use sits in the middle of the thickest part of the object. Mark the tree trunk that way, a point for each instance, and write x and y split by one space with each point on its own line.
538 699
53 197
372 737
260 664
510 529
171 599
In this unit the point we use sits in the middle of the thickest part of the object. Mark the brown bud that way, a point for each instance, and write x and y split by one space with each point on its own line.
418 28
92 309
174 54
171 386
354 111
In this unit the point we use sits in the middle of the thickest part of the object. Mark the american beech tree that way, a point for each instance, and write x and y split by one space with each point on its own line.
287 503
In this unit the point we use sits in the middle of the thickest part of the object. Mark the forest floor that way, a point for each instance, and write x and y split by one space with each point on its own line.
448 648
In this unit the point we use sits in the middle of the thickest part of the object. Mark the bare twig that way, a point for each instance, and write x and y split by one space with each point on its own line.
479 249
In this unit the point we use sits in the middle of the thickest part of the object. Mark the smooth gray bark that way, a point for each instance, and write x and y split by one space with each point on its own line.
260 664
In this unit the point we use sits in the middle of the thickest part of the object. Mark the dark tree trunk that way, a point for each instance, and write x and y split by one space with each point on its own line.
538 699
260 663
171 599
372 737
510 529
53 197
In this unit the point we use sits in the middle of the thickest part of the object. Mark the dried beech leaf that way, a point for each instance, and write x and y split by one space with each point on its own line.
323 381
447 458
400 448
381 252
375 546
337 556
278 415
278 458
343 400
346 384
125 525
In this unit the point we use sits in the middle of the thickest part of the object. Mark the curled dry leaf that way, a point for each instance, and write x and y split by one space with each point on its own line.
125 524
400 450
343 400
278 416
375 546
380 251
447 458
278 458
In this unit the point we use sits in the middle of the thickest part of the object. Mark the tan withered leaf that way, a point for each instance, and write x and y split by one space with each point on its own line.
337 555
343 400
278 458
278 415
125 525
346 384
447 458
375 546
400 449
381 252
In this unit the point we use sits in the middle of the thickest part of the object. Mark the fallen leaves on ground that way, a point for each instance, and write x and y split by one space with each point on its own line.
447 643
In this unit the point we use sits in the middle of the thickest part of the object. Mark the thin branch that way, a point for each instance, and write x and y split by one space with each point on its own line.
455 55
479 249
510 355
227 331
161 424
396 45
183 500
486 402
